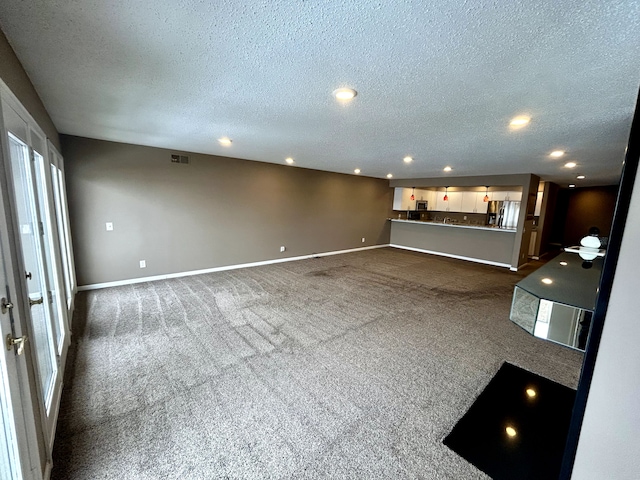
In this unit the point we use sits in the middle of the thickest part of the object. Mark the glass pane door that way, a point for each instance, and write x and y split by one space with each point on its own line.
31 229
65 245
49 232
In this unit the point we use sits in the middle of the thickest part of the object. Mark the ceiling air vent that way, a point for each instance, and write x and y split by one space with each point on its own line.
179 159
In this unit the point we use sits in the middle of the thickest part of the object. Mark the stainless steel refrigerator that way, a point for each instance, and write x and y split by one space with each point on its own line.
503 214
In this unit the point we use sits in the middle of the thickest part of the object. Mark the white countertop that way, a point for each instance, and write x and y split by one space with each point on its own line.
456 225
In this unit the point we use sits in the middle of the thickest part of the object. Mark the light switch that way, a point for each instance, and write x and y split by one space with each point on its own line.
109 226
143 264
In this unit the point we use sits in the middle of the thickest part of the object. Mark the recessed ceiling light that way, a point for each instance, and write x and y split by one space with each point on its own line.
225 141
389 175
511 431
519 122
572 185
357 171
547 281
570 164
557 153
531 392
289 160
564 264
580 177
447 169
344 94
407 159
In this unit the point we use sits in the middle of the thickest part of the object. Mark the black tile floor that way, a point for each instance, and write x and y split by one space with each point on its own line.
517 427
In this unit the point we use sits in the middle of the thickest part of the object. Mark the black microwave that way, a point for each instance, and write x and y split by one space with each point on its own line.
421 205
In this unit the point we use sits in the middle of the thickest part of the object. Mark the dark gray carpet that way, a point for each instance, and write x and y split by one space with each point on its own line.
350 366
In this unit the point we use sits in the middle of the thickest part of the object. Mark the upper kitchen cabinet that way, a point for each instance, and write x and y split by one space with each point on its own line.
423 194
512 196
402 199
473 202
453 204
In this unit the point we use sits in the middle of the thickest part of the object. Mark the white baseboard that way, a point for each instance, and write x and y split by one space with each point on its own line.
118 283
459 257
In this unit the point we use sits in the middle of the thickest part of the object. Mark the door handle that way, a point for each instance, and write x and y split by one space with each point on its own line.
17 342
36 302
5 305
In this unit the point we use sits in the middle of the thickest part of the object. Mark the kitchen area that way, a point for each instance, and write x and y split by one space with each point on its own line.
482 219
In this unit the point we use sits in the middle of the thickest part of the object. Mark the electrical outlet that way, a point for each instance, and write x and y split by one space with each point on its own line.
143 264
282 248
362 239
465 217
109 226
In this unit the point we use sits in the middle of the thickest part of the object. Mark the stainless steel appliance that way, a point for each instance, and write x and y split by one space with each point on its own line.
493 212
503 214
421 205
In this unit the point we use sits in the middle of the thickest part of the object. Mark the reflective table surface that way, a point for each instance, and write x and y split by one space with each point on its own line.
556 302
566 279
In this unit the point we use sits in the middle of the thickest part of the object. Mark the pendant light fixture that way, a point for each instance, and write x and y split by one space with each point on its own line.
413 190
486 195
446 197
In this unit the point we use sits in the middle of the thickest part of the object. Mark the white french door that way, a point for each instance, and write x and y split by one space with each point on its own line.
20 457
48 325
43 272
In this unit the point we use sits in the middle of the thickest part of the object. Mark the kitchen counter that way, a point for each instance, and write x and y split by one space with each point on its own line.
455 225
476 243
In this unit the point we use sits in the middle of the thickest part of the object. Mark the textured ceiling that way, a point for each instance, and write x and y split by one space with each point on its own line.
436 80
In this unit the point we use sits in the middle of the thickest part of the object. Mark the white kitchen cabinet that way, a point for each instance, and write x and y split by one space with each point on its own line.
402 199
454 204
397 198
441 205
497 196
468 202
502 196
514 196
481 205
473 202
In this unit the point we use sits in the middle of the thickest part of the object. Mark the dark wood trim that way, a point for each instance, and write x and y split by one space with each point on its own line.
627 180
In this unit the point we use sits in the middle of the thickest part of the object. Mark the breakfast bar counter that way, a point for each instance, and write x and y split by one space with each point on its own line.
477 243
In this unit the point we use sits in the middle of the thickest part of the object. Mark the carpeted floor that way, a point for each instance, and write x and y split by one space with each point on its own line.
349 366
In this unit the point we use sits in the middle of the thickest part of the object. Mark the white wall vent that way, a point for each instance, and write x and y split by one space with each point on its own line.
179 159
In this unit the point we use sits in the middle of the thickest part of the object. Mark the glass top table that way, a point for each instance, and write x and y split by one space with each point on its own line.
556 302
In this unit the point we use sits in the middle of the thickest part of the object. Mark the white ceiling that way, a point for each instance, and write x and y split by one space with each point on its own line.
437 80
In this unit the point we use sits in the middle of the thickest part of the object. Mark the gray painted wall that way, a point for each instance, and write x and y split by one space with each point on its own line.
609 442
18 81
213 212
492 246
